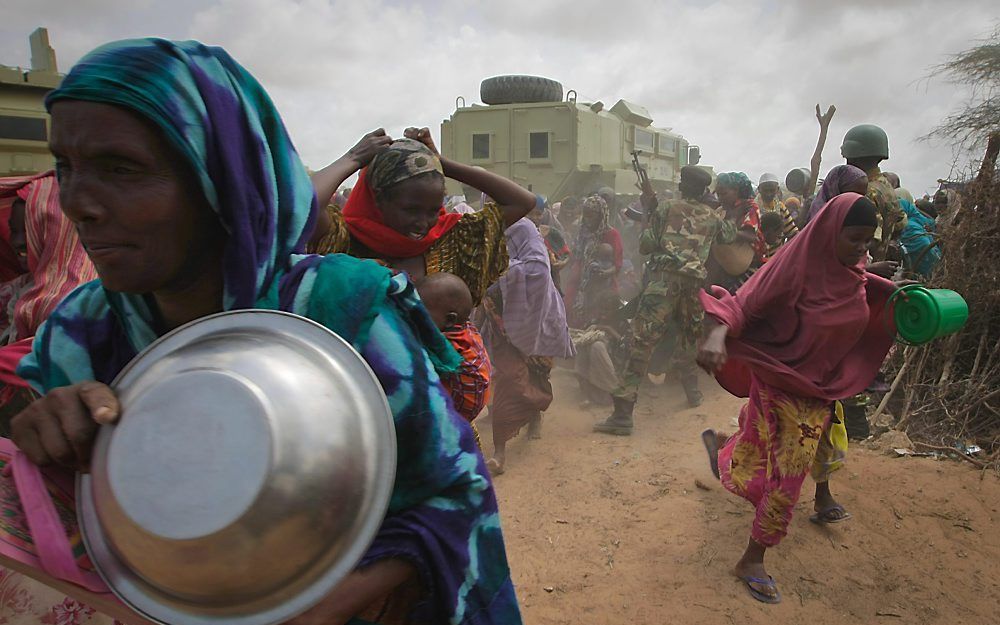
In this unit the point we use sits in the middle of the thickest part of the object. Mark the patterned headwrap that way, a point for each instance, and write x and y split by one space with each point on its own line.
442 516
404 159
224 124
596 201
587 242
736 180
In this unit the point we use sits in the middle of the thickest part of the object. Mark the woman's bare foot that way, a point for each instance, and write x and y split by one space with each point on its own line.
498 462
535 428
495 466
827 508
751 570
720 440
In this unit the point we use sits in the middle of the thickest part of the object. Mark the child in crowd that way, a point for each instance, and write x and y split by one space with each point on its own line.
772 226
449 302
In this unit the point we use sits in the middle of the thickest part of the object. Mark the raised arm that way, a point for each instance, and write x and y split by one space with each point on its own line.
817 158
515 201
327 180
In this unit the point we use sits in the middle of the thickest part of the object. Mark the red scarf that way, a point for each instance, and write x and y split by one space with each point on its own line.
364 222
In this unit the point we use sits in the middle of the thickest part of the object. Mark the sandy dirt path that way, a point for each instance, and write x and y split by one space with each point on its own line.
604 530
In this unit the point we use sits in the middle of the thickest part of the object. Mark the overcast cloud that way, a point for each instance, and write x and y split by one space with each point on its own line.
740 78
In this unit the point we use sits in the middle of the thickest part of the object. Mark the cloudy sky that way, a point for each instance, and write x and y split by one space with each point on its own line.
740 78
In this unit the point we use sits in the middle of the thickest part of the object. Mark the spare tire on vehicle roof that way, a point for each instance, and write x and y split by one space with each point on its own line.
519 89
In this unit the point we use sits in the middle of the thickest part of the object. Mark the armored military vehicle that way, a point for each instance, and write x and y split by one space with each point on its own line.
24 124
526 131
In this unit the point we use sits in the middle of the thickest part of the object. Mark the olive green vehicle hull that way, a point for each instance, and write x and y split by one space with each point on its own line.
561 148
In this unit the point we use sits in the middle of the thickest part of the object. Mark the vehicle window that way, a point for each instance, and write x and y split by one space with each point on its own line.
23 128
643 139
481 146
538 145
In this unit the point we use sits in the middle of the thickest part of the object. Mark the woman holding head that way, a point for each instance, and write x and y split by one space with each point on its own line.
182 130
396 211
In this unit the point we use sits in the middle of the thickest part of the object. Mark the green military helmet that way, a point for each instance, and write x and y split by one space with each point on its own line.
865 141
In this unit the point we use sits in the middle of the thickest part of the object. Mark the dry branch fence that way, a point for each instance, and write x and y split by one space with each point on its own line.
950 388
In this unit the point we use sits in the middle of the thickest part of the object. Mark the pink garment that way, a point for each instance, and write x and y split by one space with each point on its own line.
805 323
780 441
10 357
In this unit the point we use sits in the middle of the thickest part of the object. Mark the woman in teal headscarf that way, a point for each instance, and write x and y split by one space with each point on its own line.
922 250
179 175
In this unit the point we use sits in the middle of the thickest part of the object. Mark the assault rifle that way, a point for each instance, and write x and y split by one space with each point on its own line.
648 199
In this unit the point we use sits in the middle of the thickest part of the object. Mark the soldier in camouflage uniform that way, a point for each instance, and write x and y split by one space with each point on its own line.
866 146
677 237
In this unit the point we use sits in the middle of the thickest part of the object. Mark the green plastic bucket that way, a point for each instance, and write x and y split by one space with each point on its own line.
926 314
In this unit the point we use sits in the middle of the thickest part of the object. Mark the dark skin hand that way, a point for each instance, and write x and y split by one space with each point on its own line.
327 180
356 593
515 201
884 268
59 428
817 158
712 354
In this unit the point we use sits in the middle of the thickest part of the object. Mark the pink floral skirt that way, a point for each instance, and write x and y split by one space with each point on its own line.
780 441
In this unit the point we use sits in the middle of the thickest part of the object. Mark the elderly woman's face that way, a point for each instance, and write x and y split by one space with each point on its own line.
411 207
140 214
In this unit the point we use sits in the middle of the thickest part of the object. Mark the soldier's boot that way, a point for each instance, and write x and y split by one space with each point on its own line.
620 421
689 380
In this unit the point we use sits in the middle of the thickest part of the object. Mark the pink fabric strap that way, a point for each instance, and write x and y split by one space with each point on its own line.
47 532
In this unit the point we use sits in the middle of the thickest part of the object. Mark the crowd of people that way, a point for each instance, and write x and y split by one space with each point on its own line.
462 308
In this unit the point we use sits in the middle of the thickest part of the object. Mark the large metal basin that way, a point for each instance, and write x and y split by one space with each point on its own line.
249 472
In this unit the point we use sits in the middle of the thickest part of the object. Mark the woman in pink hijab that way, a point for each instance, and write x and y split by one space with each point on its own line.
804 331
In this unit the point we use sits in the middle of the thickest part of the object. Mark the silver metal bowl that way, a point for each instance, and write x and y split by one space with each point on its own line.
250 471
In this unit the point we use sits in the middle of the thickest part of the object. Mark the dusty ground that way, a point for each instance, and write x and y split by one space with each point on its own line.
604 530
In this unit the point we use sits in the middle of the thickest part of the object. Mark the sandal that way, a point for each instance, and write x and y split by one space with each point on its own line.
758 595
834 514
710 442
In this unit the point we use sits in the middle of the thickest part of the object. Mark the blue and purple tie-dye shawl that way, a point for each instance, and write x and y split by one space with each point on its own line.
443 513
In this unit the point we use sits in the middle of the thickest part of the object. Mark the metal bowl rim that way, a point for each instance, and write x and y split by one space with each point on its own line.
113 572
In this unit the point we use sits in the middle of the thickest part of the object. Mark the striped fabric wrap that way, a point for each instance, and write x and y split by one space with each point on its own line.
56 260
